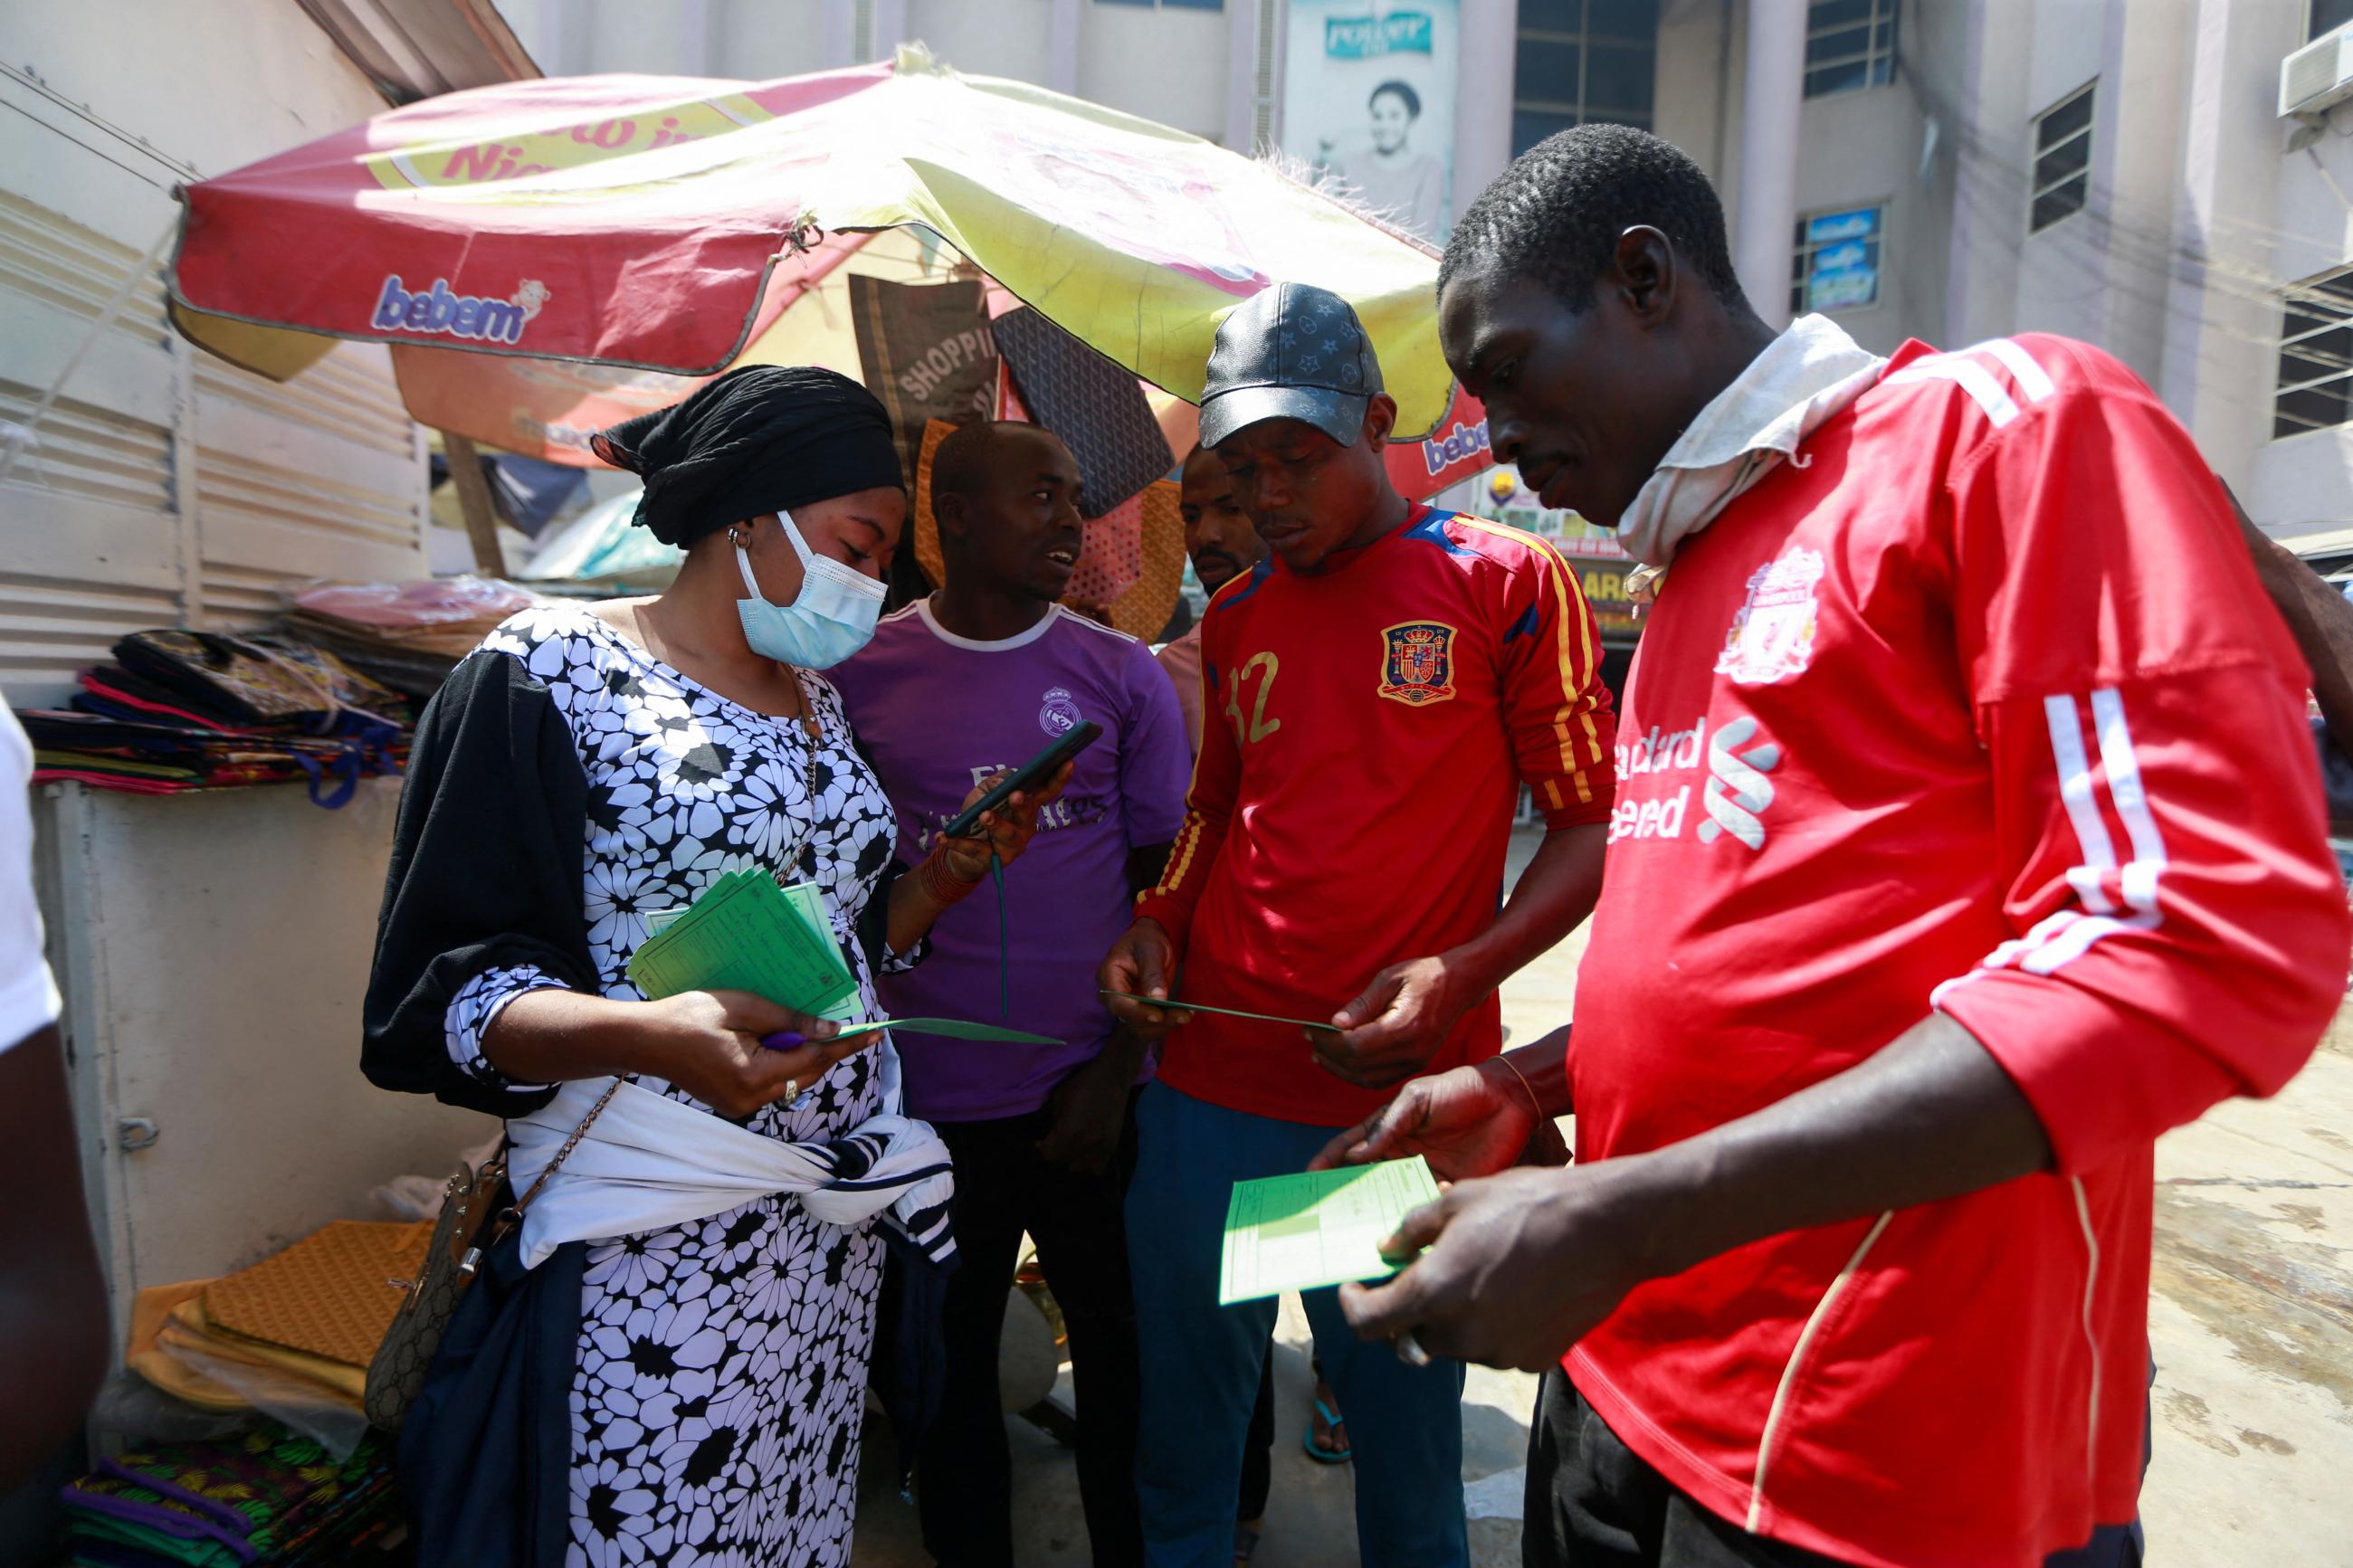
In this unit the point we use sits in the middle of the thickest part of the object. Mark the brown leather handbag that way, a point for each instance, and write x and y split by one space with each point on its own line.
471 1223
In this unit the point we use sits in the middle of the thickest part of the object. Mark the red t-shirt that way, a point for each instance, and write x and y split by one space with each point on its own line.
1364 733
1977 706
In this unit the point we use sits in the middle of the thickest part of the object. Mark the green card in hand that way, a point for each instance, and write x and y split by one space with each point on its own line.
1175 1006
955 1029
747 933
1304 1232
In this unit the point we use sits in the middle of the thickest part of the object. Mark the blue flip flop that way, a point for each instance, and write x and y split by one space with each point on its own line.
1332 1422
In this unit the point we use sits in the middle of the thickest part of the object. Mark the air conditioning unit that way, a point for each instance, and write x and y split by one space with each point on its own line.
2318 76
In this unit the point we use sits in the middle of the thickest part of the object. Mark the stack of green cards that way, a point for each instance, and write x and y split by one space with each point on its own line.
1317 1228
747 933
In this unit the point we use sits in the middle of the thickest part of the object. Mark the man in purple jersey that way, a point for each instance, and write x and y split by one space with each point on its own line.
973 680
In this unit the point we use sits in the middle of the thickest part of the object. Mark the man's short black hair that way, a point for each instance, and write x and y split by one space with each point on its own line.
960 466
1404 90
1556 212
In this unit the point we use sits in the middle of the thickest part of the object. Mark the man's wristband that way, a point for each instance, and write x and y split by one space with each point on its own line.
940 881
1535 1104
1544 1146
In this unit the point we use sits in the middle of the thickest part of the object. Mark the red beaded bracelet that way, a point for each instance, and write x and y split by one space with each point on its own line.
941 883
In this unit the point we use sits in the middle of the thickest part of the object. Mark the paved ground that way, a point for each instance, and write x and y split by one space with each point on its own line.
2251 1314
2251 1318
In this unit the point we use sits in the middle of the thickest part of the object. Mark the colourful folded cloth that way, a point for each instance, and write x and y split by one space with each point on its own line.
143 1355
191 1326
330 1295
267 1499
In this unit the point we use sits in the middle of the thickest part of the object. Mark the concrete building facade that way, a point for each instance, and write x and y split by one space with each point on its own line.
1950 170
2117 170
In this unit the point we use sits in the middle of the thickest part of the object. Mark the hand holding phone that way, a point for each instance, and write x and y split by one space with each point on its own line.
1030 778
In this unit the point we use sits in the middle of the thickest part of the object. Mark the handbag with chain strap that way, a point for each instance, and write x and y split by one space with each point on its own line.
471 1223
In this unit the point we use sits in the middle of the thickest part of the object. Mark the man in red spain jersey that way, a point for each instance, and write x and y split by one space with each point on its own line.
1966 840
1375 694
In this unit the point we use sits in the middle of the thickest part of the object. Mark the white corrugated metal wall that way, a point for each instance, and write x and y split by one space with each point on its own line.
164 487
168 488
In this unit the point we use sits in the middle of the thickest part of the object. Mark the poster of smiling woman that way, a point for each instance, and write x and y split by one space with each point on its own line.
1368 94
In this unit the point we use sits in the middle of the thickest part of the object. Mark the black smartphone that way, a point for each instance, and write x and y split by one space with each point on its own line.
1032 774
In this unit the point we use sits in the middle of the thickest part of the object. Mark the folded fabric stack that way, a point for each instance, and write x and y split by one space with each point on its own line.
269 1498
298 1328
409 636
180 710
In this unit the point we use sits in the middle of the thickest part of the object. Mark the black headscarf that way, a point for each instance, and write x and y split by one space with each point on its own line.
762 438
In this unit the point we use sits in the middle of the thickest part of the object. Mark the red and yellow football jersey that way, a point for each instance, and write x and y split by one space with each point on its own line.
1364 733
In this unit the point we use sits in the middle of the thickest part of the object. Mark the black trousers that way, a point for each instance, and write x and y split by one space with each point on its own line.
1593 1503
1258 1448
963 1468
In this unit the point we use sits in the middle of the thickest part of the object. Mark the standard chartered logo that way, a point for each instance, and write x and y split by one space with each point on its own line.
1733 795
1738 788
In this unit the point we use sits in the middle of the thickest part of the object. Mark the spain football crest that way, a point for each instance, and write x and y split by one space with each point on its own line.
1417 663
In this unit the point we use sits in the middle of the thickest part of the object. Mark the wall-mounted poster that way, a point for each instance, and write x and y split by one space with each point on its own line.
1368 94
1842 260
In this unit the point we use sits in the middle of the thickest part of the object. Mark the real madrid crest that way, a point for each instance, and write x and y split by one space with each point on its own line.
1772 635
1059 715
1417 663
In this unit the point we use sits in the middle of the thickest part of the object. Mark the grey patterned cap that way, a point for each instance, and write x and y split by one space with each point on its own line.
1290 352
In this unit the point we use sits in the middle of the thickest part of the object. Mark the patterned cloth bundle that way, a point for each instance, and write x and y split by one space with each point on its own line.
180 710
266 1499
305 1320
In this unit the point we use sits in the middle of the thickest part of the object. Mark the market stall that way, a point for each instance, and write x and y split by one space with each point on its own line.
545 258
548 256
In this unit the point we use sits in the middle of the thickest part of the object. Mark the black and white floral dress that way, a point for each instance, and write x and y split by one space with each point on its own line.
718 1398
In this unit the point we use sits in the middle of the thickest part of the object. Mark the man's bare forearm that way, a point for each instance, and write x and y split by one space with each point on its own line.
1538 1069
1552 899
53 1310
2320 618
1932 1116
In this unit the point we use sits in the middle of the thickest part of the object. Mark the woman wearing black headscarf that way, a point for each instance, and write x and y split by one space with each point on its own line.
587 767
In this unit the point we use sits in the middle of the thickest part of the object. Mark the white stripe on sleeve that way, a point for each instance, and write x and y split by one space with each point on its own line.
1974 379
2067 934
2117 755
2031 379
2075 792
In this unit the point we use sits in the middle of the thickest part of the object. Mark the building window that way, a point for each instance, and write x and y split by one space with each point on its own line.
2063 159
2325 17
2316 356
1835 265
1850 45
1581 61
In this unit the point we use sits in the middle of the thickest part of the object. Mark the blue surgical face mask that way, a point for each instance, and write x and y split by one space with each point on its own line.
832 617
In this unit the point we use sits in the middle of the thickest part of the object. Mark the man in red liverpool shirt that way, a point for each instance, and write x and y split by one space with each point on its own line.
1376 693
1965 843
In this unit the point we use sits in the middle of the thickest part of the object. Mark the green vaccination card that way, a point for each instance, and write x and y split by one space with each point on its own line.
1317 1229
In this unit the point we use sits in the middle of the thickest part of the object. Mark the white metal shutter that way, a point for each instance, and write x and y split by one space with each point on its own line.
90 543
315 478
165 487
